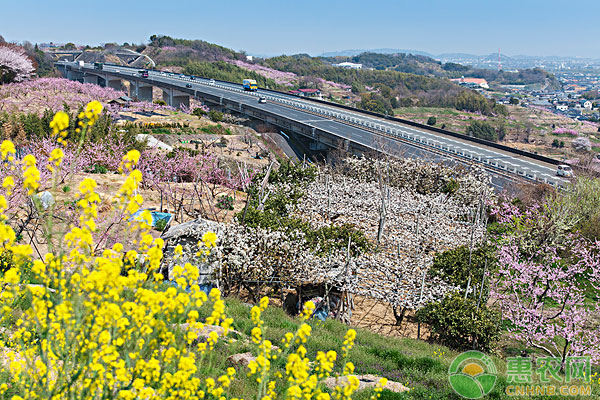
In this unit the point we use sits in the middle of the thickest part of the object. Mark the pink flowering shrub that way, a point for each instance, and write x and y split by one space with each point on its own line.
565 131
156 166
137 106
281 78
334 84
589 124
181 166
37 95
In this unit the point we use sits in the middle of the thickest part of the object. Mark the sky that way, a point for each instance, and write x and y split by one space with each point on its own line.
270 27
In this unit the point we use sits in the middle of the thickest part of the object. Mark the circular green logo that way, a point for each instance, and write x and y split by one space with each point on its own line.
472 374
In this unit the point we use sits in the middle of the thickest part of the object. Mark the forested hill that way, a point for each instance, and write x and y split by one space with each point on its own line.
423 65
403 83
197 57
165 50
384 90
414 64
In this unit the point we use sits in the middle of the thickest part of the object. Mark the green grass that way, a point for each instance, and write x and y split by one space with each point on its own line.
408 361
216 130
161 131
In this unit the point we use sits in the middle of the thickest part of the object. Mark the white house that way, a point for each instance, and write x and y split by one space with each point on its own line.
348 65
586 104
562 107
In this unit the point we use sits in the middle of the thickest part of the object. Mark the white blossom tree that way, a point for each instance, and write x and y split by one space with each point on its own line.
15 65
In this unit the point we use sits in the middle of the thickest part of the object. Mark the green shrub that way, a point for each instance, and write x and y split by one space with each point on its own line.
97 169
469 100
453 265
461 324
483 130
216 130
290 172
336 236
215 116
199 112
160 131
225 203
451 186
160 225
276 211
160 102
431 121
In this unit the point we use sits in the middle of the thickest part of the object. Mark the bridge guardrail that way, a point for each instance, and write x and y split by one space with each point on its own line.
421 126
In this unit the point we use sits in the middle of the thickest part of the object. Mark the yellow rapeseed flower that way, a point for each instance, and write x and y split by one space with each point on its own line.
8 183
60 122
7 149
92 111
209 239
31 174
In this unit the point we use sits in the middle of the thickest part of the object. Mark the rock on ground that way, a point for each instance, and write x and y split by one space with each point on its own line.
242 359
206 330
367 381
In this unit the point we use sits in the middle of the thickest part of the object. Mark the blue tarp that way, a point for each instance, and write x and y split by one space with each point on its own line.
156 216
206 287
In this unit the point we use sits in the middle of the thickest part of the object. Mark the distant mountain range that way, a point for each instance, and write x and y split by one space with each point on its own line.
350 53
453 57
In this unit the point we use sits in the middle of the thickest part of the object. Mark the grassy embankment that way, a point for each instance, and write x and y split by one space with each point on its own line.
420 366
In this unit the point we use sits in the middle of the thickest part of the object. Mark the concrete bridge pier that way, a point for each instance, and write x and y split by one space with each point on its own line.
90 79
75 75
140 90
175 98
63 70
114 83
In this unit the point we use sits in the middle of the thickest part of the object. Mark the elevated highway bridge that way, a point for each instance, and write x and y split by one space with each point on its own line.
326 125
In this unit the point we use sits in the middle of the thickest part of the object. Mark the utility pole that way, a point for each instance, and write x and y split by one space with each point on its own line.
499 63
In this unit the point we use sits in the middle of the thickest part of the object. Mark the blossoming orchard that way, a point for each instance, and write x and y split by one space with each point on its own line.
152 252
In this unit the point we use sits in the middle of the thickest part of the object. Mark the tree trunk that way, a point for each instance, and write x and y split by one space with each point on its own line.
399 317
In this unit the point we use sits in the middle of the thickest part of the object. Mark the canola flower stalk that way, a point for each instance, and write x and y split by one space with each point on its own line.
100 324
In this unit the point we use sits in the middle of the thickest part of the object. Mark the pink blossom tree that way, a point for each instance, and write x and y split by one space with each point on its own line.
543 285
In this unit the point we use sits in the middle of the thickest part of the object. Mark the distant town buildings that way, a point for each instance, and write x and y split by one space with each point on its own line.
562 106
348 65
477 82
